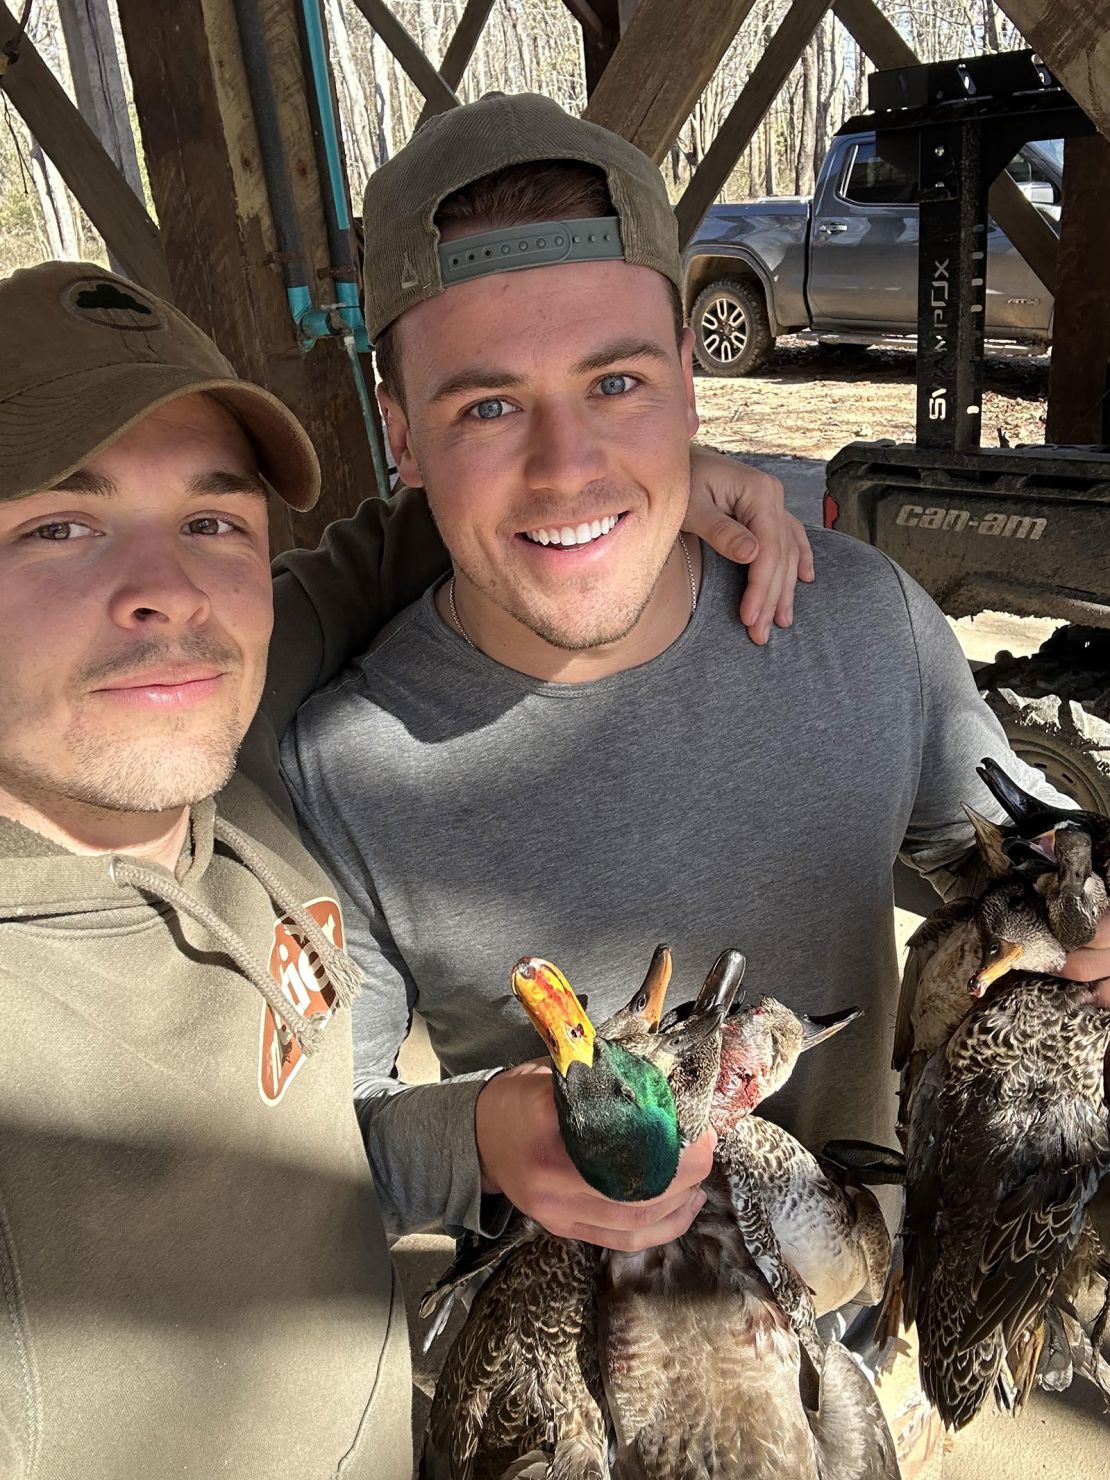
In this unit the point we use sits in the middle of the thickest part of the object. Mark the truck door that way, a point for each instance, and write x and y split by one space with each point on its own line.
863 244
863 252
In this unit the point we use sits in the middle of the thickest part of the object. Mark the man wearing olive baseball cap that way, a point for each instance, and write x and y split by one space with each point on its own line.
573 755
196 1272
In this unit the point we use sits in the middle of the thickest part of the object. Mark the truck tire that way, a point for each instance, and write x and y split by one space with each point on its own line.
1055 709
732 334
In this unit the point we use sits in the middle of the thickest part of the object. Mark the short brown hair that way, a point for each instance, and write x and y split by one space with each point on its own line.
550 190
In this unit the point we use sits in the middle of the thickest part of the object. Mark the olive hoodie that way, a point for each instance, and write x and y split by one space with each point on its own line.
193 1275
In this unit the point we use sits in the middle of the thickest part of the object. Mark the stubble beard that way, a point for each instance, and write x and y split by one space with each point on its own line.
177 761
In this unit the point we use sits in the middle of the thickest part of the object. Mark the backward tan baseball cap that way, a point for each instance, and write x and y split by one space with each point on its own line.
86 354
403 264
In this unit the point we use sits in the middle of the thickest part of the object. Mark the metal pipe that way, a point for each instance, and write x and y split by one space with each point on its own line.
275 168
344 317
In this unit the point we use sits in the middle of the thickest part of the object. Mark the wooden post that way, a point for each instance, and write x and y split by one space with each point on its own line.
666 56
205 169
746 114
1079 380
601 33
80 158
1074 39
1030 233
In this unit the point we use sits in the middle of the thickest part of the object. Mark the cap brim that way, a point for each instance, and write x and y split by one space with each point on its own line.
49 431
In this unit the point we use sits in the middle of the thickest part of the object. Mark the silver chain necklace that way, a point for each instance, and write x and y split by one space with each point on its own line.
461 630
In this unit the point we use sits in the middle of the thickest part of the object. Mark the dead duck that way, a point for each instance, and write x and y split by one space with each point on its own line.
828 1223
971 942
711 1362
1064 850
1006 1146
521 1387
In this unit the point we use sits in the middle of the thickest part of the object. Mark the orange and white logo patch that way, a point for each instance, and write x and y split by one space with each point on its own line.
300 974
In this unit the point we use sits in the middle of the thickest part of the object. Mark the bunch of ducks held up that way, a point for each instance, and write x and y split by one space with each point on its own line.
701 1360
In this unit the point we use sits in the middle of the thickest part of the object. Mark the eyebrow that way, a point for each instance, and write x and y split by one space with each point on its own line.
483 379
84 480
213 483
218 481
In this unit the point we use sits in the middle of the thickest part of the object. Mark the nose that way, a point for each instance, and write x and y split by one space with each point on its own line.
565 452
154 587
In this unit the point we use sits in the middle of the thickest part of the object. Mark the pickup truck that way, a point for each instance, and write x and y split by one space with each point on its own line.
842 267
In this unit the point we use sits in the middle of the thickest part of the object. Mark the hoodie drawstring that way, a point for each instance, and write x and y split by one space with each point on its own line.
342 973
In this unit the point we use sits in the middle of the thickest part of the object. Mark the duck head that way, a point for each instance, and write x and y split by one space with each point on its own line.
1030 842
761 1044
687 1046
616 1111
1015 934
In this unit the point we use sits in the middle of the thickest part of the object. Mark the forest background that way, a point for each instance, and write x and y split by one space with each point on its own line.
527 45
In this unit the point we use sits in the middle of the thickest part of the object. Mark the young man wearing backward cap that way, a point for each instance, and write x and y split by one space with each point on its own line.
194 1271
560 750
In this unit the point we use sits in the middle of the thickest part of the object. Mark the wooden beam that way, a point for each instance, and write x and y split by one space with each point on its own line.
1079 380
460 49
206 177
601 35
424 76
747 113
1030 233
665 58
81 160
1074 39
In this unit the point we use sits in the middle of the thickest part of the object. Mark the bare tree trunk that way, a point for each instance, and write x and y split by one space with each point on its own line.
803 167
61 228
353 104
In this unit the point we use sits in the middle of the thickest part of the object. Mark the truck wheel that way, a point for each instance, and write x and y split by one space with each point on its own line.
1055 709
732 335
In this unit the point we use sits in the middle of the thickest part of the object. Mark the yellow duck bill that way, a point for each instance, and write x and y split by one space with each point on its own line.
556 1013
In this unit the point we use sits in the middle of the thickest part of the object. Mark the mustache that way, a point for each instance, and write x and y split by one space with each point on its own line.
193 647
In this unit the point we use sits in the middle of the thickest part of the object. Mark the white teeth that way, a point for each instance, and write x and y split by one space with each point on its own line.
582 535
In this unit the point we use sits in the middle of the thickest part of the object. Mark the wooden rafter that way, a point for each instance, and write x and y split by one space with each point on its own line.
667 54
460 49
410 56
1074 39
1030 233
746 114
82 161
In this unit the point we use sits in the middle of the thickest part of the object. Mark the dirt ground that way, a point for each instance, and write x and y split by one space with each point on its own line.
811 399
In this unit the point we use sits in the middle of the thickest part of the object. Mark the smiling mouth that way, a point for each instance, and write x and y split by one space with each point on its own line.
567 535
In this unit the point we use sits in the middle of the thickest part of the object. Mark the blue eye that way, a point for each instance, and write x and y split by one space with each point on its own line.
489 410
614 385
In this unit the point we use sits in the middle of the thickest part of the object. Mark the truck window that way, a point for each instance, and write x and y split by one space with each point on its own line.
870 181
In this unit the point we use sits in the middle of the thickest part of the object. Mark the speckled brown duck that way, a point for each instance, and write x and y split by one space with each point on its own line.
711 1361
1007 1143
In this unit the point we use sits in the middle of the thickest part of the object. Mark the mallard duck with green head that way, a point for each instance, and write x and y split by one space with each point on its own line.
521 1386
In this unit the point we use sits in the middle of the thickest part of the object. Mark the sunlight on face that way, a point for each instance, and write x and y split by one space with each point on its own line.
135 611
548 413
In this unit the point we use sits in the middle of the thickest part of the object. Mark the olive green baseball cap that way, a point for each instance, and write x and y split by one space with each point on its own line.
405 263
88 354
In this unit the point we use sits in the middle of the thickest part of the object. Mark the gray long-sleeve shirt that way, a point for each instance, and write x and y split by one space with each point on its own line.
720 795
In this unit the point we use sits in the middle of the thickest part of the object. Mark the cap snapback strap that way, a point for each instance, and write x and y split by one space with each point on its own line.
540 244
